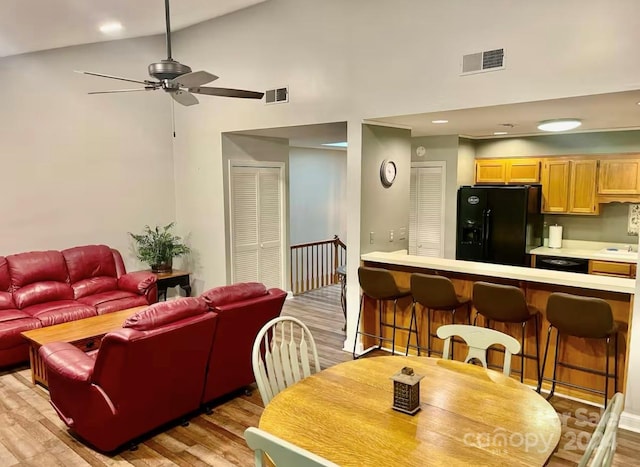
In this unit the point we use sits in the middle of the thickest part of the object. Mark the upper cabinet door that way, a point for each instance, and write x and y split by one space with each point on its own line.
491 170
582 187
523 171
555 186
619 177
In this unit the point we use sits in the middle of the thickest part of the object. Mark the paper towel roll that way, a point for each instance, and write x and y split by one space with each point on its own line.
555 236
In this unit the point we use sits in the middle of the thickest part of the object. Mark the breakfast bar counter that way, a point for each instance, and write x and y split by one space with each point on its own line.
537 285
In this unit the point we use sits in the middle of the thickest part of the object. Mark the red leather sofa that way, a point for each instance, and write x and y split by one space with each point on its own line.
242 311
42 288
144 375
168 360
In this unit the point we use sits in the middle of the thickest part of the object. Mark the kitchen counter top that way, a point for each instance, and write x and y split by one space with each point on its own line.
590 250
544 276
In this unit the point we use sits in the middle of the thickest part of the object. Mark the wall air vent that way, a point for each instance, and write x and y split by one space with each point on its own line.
489 60
277 96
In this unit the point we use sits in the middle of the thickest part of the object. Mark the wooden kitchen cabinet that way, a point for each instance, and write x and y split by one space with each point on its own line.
619 177
504 171
555 186
491 170
582 187
612 268
569 186
523 171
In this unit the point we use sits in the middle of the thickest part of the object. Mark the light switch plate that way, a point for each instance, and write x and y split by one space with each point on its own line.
390 235
402 233
372 236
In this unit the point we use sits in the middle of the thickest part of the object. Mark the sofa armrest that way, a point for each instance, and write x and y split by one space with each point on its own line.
137 282
67 361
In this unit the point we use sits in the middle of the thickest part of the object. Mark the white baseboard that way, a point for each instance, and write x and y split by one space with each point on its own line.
630 421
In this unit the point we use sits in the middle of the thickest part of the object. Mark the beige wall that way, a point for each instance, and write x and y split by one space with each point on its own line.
82 169
384 209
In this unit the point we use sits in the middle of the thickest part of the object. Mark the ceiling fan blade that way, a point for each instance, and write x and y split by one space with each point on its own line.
184 98
145 82
197 78
148 88
225 92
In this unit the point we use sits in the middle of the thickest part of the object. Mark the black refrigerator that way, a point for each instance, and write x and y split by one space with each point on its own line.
498 224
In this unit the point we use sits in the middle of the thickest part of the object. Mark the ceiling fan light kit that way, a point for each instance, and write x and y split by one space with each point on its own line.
177 79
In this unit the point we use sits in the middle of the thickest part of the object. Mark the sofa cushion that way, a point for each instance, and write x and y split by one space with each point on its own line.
162 313
219 296
114 300
41 292
60 311
6 299
38 277
5 278
94 285
37 266
85 262
12 323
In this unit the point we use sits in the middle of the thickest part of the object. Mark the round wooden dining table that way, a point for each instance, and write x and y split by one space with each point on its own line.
469 416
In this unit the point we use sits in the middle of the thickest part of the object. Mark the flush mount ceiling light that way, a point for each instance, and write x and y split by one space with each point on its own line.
499 133
439 121
340 144
110 28
560 124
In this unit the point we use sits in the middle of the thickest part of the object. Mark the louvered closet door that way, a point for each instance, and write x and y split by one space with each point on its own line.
256 211
426 221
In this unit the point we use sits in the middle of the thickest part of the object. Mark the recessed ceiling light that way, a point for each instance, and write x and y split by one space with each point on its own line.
111 27
560 124
498 133
439 121
341 144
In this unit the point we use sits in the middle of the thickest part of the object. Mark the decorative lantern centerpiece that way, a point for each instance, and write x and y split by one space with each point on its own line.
406 391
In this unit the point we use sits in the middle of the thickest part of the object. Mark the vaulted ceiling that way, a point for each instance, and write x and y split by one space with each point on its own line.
31 25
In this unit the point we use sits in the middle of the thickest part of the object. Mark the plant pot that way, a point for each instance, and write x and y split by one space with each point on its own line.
165 267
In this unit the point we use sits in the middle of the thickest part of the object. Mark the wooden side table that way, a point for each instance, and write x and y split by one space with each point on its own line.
173 279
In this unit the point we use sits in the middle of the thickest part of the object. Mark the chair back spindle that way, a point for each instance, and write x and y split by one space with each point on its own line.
284 352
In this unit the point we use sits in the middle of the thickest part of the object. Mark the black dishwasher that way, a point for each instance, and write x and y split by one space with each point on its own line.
562 264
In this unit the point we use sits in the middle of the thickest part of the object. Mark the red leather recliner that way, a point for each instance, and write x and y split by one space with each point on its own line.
242 311
148 373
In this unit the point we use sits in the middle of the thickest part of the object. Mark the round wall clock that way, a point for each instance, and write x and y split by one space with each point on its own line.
388 172
421 151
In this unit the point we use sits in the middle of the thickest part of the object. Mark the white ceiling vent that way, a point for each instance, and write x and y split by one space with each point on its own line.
277 96
489 60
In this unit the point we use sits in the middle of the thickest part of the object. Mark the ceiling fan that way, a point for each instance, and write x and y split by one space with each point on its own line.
177 79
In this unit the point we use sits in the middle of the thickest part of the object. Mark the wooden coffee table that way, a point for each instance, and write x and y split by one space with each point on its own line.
86 334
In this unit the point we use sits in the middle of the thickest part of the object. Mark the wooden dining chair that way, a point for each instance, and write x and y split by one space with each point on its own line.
478 340
283 353
282 453
602 445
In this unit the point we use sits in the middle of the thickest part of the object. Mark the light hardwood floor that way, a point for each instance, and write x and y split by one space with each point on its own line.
31 434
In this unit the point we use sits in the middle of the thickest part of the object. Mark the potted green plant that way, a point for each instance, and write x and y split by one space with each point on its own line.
158 246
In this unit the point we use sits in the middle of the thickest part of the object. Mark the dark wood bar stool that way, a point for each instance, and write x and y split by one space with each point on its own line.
378 284
507 304
584 317
434 293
